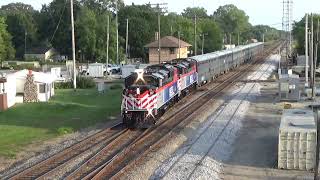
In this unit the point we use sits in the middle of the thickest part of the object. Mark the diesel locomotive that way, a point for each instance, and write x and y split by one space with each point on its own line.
149 92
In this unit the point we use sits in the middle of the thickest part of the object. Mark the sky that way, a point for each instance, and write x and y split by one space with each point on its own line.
267 12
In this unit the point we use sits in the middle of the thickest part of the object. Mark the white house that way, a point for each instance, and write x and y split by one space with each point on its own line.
43 54
14 86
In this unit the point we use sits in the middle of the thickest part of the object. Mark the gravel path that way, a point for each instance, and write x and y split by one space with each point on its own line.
202 156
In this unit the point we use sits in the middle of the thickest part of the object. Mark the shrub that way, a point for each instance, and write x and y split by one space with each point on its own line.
63 85
85 82
23 66
82 83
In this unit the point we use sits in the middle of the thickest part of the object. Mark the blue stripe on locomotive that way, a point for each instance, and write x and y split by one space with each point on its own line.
170 92
191 79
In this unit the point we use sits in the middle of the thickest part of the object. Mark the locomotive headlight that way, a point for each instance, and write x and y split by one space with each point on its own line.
150 113
140 75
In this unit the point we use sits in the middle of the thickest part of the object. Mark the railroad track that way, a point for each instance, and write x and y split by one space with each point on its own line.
131 155
254 78
66 155
123 147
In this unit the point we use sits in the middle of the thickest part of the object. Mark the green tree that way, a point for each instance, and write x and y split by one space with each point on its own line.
55 27
6 49
86 26
299 32
21 23
231 19
190 12
212 34
269 33
142 27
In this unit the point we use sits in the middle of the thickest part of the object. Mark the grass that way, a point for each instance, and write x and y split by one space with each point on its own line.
65 113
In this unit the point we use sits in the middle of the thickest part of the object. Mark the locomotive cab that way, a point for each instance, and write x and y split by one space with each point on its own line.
141 97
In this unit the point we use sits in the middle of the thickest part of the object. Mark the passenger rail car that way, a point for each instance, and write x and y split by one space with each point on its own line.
149 92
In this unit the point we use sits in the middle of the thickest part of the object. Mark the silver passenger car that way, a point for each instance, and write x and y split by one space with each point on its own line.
211 65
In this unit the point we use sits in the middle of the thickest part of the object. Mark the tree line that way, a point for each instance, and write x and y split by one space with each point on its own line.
23 28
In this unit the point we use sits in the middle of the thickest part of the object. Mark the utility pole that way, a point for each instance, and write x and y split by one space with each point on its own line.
179 43
230 39
263 37
311 57
159 36
25 42
108 39
127 39
159 25
315 61
195 34
117 32
73 48
306 50
238 38
203 34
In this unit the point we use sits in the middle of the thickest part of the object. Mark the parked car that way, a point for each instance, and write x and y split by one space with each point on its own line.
112 69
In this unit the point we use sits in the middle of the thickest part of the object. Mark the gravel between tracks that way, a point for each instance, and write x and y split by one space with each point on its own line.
40 151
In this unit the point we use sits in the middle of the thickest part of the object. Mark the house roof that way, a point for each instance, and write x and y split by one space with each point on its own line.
39 77
169 42
39 50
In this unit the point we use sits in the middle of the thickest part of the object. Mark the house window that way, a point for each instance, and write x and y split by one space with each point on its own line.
42 88
171 50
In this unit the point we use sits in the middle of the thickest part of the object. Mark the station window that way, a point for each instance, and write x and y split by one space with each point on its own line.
171 50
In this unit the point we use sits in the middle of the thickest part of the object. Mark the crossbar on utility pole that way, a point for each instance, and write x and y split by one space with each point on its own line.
73 47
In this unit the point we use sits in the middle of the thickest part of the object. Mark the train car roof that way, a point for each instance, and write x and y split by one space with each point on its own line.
216 54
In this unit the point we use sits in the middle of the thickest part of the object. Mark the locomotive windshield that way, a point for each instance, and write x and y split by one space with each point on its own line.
146 80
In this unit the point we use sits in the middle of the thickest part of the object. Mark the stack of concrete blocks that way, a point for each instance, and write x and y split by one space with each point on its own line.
290 87
297 140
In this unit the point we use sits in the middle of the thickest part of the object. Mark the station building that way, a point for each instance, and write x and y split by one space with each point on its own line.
169 49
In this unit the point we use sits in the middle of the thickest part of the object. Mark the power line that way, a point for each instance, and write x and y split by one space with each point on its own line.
159 24
57 27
